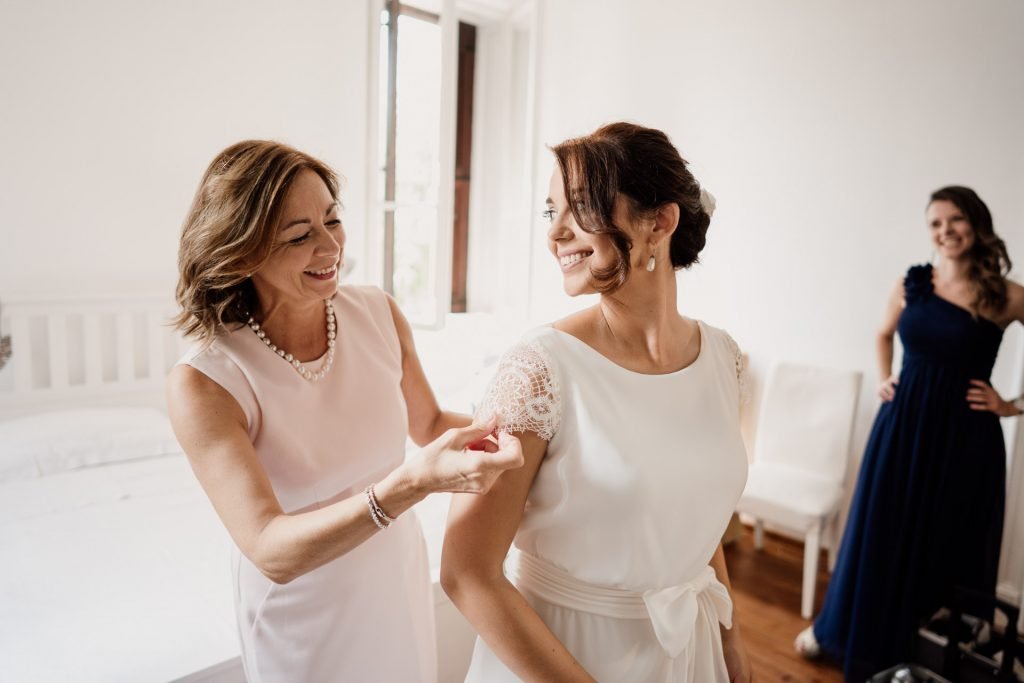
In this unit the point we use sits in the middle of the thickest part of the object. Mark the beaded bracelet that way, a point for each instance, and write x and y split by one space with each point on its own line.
376 513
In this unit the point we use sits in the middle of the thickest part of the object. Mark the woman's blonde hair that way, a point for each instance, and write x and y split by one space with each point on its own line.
229 232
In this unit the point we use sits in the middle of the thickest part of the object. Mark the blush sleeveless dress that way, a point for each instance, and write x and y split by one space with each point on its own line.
640 479
368 615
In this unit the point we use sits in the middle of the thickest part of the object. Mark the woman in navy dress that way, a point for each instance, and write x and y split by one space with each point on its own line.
927 514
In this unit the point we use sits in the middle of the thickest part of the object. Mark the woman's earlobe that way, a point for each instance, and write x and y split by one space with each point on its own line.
666 220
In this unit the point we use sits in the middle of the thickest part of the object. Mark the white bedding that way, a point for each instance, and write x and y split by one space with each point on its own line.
53 442
113 573
113 565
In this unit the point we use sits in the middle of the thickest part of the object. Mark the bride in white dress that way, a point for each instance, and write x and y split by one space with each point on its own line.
628 415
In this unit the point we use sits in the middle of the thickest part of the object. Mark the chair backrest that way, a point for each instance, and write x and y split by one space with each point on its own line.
807 419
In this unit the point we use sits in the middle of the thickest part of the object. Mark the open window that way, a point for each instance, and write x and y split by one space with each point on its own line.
448 157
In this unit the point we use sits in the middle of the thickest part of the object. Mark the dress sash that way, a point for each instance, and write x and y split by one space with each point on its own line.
680 615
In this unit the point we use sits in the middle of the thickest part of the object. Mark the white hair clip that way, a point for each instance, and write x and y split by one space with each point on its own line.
707 202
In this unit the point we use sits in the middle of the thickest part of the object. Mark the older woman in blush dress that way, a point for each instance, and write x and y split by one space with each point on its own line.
294 407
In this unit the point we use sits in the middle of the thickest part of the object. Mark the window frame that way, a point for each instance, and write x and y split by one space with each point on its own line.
380 253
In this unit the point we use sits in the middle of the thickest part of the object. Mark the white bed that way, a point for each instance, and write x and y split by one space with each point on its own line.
115 566
119 573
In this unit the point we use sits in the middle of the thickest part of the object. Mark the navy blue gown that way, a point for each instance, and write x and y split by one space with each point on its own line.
927 513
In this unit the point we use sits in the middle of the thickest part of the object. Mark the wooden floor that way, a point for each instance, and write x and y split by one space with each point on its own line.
766 591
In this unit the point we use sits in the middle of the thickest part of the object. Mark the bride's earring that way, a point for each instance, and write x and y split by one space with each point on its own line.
650 264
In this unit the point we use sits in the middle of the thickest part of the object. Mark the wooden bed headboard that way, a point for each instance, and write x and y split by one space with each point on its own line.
99 351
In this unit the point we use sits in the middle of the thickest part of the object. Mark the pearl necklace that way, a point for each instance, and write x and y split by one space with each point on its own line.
294 362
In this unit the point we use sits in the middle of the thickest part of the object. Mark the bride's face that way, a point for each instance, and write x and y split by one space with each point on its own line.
577 251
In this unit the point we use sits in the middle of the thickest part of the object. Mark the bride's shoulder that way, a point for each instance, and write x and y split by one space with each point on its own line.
537 347
731 360
581 324
718 337
541 334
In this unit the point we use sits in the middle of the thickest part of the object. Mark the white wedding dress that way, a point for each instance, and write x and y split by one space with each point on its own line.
641 476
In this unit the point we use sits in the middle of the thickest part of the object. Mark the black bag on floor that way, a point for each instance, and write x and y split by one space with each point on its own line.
962 645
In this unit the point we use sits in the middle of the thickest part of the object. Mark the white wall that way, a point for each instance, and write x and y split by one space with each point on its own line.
821 127
111 110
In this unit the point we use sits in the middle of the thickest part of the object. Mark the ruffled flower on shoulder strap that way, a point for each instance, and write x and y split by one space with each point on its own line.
918 282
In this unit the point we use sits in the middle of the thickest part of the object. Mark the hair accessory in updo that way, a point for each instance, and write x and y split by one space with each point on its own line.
707 202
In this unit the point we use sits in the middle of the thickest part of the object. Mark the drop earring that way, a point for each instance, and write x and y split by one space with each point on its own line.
650 264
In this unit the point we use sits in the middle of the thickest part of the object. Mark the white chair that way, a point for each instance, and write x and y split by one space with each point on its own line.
801 451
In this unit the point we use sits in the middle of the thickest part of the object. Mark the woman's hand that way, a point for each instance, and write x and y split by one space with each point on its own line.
466 460
887 389
737 663
981 396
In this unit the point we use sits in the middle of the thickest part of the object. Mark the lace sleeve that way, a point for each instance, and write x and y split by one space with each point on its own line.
524 393
740 360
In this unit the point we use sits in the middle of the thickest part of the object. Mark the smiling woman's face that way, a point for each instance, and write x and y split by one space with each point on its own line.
577 251
308 245
950 229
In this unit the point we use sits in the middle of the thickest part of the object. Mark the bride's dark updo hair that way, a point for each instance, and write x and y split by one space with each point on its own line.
643 165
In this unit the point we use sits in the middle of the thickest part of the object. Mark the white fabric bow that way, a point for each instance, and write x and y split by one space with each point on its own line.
676 613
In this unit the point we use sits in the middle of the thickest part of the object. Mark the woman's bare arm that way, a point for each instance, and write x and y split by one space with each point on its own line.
211 428
480 531
884 343
1015 301
426 419
981 395
736 657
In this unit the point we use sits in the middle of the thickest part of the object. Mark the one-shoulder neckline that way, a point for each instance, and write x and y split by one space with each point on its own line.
674 373
931 290
979 318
